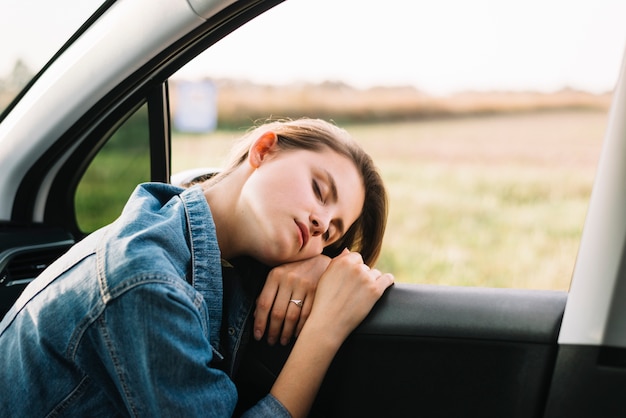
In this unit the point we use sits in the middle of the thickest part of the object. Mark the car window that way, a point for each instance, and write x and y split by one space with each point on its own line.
42 28
112 175
487 133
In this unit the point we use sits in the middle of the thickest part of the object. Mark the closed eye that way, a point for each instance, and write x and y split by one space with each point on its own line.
318 191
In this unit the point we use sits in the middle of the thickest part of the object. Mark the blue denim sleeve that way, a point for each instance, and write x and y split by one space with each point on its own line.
154 354
269 406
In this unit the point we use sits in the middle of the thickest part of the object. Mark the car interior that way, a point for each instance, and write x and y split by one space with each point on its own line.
424 350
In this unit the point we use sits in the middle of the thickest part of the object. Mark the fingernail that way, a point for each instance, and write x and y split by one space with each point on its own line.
258 334
284 341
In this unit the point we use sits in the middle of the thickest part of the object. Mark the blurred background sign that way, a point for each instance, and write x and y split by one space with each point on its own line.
196 107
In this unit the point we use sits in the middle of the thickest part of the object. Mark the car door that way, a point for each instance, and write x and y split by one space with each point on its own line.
436 351
448 351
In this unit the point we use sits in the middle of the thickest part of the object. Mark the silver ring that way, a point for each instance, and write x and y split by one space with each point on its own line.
297 302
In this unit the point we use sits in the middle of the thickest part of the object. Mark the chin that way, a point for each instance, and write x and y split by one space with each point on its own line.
274 254
276 259
273 259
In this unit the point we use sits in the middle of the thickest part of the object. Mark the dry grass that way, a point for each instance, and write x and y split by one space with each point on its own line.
487 201
241 103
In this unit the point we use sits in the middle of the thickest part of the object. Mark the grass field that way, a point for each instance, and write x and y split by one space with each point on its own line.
494 200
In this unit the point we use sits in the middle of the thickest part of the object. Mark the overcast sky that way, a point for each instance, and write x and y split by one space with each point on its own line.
439 46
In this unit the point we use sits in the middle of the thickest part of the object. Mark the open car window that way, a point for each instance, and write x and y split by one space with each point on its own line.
113 174
488 141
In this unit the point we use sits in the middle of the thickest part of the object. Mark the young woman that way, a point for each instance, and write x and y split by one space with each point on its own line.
129 321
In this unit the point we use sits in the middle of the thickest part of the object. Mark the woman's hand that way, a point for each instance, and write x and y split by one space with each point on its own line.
346 293
295 281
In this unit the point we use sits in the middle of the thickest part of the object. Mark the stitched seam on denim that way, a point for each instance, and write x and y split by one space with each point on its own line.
199 300
148 278
247 309
94 314
74 394
190 241
100 268
116 365
79 331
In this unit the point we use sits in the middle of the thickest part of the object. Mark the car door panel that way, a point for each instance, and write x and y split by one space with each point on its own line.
24 253
588 381
438 351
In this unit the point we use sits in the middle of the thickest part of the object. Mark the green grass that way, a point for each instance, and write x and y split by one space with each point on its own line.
113 174
517 227
495 201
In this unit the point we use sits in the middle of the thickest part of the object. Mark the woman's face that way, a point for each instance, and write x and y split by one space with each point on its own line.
297 202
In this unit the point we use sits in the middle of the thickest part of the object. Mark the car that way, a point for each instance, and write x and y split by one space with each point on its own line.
424 350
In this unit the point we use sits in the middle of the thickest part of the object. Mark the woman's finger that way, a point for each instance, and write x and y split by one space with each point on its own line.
305 312
274 314
347 292
294 310
264 304
278 314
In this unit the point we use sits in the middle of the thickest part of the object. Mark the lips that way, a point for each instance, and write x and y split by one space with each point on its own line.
304 234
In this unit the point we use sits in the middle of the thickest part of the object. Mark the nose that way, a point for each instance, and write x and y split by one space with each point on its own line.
319 224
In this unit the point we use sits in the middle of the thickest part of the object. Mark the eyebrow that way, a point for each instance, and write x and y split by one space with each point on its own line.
334 197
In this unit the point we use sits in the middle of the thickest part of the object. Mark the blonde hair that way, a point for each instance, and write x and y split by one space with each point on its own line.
366 233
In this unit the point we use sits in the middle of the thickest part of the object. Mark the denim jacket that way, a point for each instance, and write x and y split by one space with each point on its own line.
128 322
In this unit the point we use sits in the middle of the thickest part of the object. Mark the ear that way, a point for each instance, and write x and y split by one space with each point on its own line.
261 148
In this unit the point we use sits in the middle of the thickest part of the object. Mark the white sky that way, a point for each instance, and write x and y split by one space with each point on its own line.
439 46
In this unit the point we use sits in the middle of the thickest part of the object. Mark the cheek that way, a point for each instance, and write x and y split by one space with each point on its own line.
289 188
280 188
